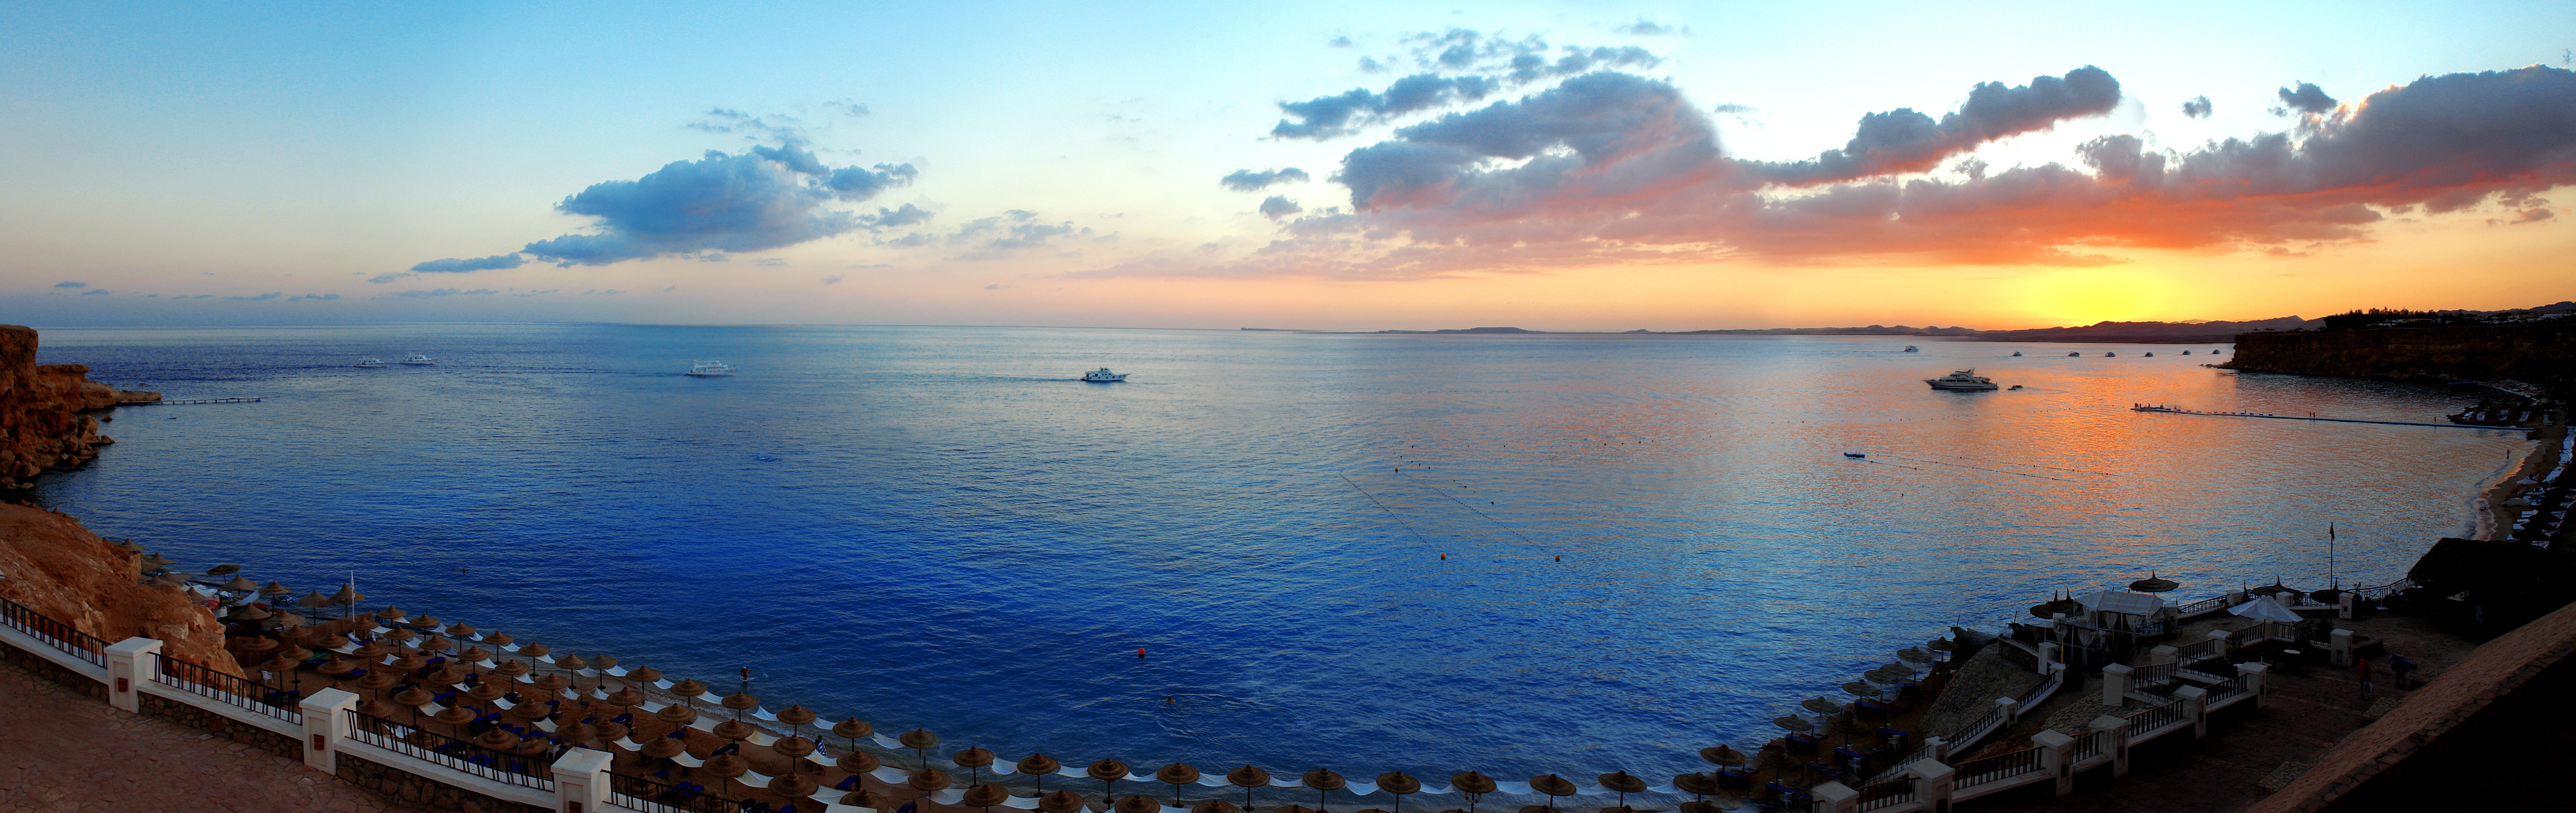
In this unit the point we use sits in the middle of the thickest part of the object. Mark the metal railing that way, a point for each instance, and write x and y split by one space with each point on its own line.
2201 607
1896 768
1976 729
2153 674
462 755
648 796
2197 650
2154 718
1887 795
1976 772
56 634
245 693
2085 747
2228 688
2035 695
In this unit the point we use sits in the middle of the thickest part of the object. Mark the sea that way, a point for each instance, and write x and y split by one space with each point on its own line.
1517 554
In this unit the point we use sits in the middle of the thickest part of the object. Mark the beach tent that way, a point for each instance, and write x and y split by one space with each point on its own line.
2118 610
2264 608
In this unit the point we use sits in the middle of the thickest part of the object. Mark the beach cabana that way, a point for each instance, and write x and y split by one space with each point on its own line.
2265 608
2114 610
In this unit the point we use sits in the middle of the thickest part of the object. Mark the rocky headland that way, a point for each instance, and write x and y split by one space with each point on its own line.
48 562
2538 353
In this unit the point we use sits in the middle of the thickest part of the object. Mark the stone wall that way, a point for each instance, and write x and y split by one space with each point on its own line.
2534 353
409 790
222 726
54 672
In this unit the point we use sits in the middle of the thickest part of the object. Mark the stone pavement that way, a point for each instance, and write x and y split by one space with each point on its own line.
66 752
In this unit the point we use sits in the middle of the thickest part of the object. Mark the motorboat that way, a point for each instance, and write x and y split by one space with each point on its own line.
417 358
2110 355
370 361
2074 354
2151 354
1912 349
2186 352
1103 376
2013 387
2016 354
1967 380
709 369
1856 455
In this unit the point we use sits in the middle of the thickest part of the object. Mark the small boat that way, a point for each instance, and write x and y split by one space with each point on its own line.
417 358
1856 455
709 369
2186 352
370 361
1103 376
2074 354
2016 354
1912 349
2151 354
2110 355
2013 387
1964 380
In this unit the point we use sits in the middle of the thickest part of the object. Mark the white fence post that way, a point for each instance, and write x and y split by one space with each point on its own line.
130 662
326 714
1936 749
2056 752
2047 655
1932 781
2339 643
2115 741
2350 601
2009 709
2164 653
1834 797
2257 681
2115 685
2221 636
2195 705
581 781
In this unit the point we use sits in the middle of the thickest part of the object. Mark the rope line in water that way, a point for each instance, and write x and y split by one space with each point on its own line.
1982 468
1399 518
2010 463
1463 504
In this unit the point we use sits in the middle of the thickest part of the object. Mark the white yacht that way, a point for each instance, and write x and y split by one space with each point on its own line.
710 368
1967 379
417 358
1103 376
370 361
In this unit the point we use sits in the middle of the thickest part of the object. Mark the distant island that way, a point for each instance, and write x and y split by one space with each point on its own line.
2198 332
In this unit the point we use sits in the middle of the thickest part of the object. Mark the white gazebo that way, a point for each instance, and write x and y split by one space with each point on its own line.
2120 610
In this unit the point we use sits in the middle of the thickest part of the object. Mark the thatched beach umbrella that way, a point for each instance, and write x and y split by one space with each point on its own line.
239 584
1214 806
877 799
1552 785
2152 584
1397 783
1294 809
1062 801
1914 655
1037 766
1722 756
577 734
928 781
1698 785
664 748
1794 723
498 740
1176 775
454 716
460 630
857 762
794 785
486 692
1108 771
984 796
728 767
1941 645
852 729
974 759
1247 778
224 570
1136 804
1324 781
920 741
677 715
689 690
796 717
1623 784
313 600
612 731
1821 706
1474 785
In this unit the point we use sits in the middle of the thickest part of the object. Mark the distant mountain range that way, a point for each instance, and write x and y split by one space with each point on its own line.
2122 332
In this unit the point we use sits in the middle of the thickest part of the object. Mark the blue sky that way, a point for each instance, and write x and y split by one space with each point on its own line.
223 150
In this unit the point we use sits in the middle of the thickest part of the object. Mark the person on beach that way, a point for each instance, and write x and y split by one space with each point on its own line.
2361 667
2404 670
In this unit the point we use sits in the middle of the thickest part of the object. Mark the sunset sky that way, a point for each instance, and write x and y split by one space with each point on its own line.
1309 165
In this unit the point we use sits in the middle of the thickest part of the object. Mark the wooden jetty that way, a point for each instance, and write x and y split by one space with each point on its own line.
2178 411
194 401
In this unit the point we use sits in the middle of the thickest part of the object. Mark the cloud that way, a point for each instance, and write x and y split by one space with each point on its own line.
389 276
435 292
1011 231
1339 42
2308 99
95 292
1244 180
1279 206
314 297
847 107
260 298
1614 168
1342 114
453 265
599 292
2532 215
890 218
834 279
1647 28
2196 107
1902 140
760 199
71 285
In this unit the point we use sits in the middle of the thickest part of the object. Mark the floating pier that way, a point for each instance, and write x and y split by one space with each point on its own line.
2178 411
194 401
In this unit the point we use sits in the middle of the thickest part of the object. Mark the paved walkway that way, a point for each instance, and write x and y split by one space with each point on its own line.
66 752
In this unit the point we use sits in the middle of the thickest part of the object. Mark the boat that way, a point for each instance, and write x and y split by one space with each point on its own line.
2151 354
2186 352
2074 354
1103 376
417 358
709 369
2013 387
2110 355
2016 354
1912 349
1856 455
370 361
1967 380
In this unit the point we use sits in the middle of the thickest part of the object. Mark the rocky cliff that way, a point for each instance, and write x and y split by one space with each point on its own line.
2538 353
42 427
51 564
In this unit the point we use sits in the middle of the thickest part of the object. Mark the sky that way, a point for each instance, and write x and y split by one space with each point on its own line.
1326 165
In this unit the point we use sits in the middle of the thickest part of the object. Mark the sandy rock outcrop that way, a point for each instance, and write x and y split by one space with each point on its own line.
51 564
42 425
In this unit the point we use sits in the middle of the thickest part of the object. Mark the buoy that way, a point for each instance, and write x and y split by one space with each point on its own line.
1560 557
1140 652
1444 557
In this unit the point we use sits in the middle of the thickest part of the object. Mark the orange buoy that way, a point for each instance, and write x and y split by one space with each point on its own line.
1140 652
1444 557
1560 557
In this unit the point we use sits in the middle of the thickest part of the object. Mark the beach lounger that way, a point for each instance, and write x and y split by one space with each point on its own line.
689 761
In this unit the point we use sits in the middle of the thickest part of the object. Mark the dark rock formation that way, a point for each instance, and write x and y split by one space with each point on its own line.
2536 353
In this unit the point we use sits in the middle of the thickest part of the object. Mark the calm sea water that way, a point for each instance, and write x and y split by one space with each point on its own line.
1653 544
